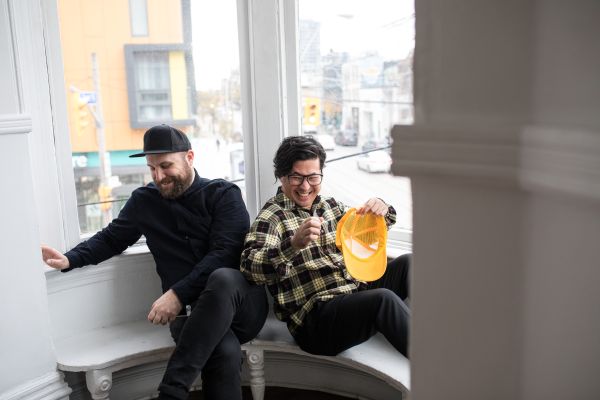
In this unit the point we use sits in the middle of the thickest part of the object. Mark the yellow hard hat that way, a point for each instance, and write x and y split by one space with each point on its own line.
362 239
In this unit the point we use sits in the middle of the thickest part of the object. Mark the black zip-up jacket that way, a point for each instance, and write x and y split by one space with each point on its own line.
189 236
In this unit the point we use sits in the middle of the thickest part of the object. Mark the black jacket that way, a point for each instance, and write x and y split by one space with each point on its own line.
189 237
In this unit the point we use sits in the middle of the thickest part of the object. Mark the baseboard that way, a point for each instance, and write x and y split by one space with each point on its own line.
47 387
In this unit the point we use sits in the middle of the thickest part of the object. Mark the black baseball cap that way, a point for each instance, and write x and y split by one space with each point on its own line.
164 139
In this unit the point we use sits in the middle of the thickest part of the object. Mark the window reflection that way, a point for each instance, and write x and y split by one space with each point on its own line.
356 84
149 68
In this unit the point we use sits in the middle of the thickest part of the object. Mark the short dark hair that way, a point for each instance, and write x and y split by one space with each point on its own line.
297 148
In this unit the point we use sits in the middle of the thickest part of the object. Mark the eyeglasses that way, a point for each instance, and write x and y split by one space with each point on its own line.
312 179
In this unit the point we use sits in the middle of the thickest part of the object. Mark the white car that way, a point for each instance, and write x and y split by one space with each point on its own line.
326 141
375 161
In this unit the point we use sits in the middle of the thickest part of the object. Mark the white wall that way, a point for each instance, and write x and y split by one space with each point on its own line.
25 311
28 367
504 161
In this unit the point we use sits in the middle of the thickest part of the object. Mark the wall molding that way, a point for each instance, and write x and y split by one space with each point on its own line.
50 386
561 160
534 158
15 124
474 152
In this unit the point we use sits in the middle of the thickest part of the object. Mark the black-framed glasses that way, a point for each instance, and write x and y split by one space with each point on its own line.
312 179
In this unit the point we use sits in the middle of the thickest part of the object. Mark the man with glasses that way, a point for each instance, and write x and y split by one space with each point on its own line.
194 228
291 249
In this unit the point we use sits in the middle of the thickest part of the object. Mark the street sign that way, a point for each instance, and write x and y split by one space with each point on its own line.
87 97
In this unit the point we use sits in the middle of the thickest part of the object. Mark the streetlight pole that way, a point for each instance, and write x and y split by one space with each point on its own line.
105 168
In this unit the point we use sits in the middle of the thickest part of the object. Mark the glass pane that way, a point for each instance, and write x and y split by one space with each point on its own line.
139 17
152 70
356 84
118 85
154 113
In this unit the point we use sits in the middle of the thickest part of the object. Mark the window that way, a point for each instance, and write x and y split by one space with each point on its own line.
157 85
152 87
149 87
180 74
138 11
356 84
118 85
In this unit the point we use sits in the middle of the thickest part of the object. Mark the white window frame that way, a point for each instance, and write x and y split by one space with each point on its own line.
267 32
53 178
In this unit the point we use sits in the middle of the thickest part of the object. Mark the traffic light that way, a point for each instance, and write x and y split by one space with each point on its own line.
312 112
81 115
105 192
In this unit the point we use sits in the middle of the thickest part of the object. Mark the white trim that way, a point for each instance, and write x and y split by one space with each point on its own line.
15 124
135 262
399 242
561 160
473 152
534 158
266 95
248 109
32 70
50 386
9 69
291 93
60 123
422 62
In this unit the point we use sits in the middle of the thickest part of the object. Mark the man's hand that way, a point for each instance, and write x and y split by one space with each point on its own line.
54 258
165 308
308 231
375 206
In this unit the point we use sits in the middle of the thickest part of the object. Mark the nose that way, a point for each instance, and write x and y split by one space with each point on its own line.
305 185
158 175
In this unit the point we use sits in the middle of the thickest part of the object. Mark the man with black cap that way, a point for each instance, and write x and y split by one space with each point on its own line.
194 228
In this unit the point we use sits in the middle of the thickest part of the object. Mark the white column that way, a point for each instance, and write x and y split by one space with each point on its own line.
503 160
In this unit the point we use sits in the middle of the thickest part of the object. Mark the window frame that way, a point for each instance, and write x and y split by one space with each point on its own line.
132 92
61 200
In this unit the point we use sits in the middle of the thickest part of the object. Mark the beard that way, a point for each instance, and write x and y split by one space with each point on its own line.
179 184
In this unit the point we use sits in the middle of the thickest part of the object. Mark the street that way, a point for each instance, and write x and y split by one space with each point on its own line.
343 180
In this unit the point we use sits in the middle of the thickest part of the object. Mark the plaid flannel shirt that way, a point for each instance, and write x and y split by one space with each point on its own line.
297 279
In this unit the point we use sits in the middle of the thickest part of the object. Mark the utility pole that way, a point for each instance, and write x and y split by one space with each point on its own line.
105 168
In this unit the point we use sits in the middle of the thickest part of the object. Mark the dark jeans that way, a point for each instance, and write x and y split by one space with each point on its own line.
349 319
228 312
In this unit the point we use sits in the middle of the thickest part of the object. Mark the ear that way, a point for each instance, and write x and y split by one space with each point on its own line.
189 156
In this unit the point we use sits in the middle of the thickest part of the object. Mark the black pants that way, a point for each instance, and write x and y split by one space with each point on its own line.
349 319
228 312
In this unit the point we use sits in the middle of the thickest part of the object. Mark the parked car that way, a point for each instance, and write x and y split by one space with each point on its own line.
376 161
375 144
326 141
347 137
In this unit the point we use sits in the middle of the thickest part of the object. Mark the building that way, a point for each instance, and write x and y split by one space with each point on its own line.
127 66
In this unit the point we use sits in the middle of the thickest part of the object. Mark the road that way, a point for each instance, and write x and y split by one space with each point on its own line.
343 180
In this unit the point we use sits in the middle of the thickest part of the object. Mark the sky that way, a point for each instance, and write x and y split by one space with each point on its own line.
354 26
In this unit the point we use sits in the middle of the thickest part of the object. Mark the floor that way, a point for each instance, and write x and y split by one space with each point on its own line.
277 393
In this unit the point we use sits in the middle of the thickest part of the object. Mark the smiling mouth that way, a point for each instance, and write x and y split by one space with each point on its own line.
304 194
